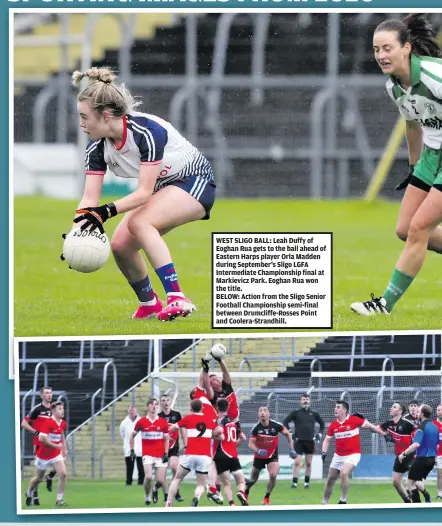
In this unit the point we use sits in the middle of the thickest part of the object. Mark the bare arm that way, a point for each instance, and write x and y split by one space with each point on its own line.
207 387
411 449
252 444
131 439
288 436
413 133
183 434
326 443
25 425
241 438
148 177
93 186
225 371
45 440
166 438
373 428
218 434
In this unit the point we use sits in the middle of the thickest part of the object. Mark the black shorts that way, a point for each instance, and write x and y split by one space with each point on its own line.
226 463
402 467
421 467
174 451
304 447
261 463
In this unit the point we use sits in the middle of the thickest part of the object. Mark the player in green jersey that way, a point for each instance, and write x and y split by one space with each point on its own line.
407 51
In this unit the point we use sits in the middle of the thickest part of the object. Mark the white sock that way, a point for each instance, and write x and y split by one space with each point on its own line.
59 496
343 499
324 501
148 303
439 493
177 294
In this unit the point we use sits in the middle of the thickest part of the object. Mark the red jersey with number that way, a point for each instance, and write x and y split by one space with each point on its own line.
346 433
231 431
199 433
152 436
54 431
439 426
37 418
208 408
267 438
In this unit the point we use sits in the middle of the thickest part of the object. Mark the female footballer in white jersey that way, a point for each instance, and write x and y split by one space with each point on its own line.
176 186
407 51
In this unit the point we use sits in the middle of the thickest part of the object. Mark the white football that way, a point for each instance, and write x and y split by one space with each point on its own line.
86 251
218 351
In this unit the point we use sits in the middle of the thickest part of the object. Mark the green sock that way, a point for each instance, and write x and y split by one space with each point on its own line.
399 283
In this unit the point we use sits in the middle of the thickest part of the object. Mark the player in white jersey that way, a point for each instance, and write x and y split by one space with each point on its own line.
176 187
407 51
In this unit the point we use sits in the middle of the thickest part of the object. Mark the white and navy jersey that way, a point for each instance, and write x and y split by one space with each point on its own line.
422 102
148 140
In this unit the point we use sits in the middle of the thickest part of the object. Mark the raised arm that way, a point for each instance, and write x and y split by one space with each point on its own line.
225 372
413 133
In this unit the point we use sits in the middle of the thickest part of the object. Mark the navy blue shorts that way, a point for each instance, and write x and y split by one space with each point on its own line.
201 189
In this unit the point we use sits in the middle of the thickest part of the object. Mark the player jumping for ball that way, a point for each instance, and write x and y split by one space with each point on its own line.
264 443
176 186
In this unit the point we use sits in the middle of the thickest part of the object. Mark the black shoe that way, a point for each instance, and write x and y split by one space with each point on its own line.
154 495
147 501
427 497
140 483
128 483
214 497
28 500
294 485
60 503
342 502
195 502
36 501
438 497
48 483
179 498
242 498
306 485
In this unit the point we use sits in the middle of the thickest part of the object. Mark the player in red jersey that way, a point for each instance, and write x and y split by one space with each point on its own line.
399 430
172 417
264 442
226 455
33 423
198 454
347 455
51 453
155 447
438 422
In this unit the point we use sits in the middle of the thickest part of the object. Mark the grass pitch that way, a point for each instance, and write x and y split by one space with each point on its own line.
113 494
52 300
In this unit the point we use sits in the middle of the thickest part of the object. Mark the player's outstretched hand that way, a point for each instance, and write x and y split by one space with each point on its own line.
389 438
407 179
318 437
323 456
205 365
94 217
292 453
262 452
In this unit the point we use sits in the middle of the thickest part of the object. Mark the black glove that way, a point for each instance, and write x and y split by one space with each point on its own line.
318 437
36 433
95 216
407 180
323 456
205 365
389 438
132 454
165 458
359 415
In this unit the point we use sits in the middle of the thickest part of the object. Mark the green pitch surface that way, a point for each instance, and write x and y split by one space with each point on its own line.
52 300
111 494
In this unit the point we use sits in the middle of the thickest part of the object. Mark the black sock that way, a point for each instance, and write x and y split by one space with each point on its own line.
177 494
231 502
52 474
267 496
295 480
165 496
35 493
158 485
415 497
307 480
406 499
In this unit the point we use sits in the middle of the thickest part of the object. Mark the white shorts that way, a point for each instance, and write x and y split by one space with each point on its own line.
197 463
338 461
439 462
43 465
156 462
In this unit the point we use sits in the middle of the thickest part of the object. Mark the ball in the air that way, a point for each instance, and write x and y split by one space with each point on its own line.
218 351
86 251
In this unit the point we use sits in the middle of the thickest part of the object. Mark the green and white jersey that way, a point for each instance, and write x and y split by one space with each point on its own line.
422 102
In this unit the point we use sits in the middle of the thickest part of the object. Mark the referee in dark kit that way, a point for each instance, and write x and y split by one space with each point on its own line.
425 444
304 437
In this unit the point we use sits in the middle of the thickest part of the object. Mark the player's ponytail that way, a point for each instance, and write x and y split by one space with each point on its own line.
422 36
103 93
416 30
